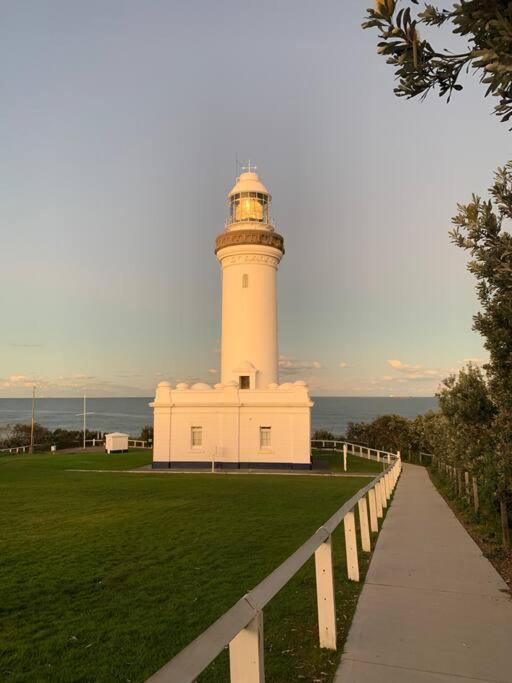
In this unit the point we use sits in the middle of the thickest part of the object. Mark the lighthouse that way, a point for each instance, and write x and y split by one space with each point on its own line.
249 251
248 419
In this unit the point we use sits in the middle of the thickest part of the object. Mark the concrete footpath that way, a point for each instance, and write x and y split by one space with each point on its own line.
432 608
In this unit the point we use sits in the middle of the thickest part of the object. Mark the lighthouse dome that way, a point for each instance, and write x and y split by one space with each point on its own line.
249 202
248 182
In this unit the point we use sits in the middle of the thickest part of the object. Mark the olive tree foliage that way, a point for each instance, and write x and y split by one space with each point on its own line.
485 28
433 434
479 229
386 433
484 25
427 433
469 415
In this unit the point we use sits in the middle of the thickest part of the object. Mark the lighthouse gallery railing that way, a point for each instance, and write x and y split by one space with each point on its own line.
241 627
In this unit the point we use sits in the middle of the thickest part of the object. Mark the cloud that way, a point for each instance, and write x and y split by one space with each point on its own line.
291 365
403 367
343 364
18 381
65 381
73 384
76 376
412 373
26 346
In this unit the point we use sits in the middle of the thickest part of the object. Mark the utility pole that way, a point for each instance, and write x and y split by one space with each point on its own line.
31 449
84 414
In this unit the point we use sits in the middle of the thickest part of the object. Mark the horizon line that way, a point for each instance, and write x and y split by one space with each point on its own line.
80 397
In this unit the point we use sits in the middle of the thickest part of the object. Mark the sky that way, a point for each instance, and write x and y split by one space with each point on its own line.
120 128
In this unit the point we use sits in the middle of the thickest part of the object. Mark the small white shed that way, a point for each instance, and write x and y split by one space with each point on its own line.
116 442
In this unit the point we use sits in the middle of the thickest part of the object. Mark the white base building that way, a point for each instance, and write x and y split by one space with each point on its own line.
232 427
248 420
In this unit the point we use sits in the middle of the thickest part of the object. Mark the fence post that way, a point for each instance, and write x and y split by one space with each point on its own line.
345 450
351 546
325 596
476 502
383 496
378 456
460 491
378 500
505 531
385 480
363 524
374 524
246 664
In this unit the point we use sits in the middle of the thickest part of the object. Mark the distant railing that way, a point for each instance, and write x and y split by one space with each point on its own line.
15 449
93 442
241 627
132 443
355 449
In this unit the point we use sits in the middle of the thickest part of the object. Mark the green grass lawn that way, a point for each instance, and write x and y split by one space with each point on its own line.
354 462
106 576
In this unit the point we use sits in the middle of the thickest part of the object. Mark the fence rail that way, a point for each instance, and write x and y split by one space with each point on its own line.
132 443
346 447
15 449
241 627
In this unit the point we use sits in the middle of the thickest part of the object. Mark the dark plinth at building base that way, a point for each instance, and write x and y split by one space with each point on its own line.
207 465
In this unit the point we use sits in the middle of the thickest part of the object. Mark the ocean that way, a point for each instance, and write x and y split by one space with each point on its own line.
131 414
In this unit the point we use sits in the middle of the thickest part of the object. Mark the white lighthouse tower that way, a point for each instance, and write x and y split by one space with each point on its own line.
248 419
249 251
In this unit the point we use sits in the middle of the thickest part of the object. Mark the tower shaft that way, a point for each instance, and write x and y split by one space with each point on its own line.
249 251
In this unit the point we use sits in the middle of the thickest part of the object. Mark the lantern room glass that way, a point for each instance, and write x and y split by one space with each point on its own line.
249 207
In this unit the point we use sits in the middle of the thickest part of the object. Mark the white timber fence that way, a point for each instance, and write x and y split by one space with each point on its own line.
16 449
241 627
354 449
132 443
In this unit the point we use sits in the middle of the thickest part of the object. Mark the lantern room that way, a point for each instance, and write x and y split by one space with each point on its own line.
249 201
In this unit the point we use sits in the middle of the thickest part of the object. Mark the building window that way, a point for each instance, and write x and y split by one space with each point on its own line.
196 436
245 382
265 437
245 280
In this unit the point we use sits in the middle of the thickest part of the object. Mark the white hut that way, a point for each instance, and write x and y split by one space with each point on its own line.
116 442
